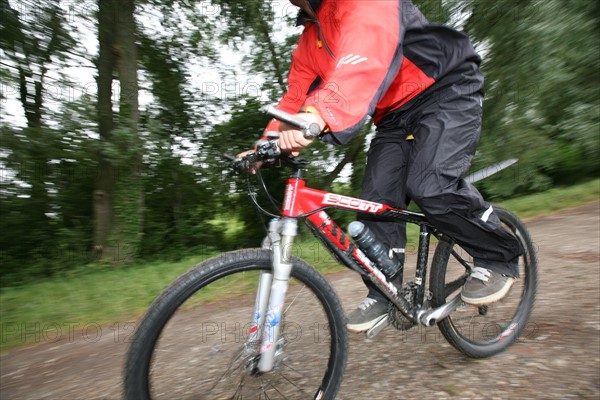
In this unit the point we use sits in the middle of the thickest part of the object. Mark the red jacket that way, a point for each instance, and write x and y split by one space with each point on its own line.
371 57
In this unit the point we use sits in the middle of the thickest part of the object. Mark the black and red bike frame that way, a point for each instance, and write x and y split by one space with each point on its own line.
302 201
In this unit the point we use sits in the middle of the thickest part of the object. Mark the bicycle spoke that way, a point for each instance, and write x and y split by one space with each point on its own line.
277 390
266 396
293 369
238 392
462 261
237 361
293 383
461 320
293 300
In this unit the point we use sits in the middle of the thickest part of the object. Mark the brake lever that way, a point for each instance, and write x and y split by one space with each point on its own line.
241 165
268 151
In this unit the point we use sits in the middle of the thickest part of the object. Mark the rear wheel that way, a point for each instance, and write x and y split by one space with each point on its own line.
484 331
192 342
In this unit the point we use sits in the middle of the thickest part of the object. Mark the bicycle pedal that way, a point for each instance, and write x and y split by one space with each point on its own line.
378 327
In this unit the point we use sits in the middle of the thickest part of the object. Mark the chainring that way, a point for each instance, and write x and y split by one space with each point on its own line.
395 316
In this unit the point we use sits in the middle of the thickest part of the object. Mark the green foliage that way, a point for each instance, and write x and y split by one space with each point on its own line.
543 107
46 196
436 11
541 62
168 80
177 213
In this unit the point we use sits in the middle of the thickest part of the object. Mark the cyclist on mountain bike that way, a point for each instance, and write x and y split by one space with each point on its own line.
422 86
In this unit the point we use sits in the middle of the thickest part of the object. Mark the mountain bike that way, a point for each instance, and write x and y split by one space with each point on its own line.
264 324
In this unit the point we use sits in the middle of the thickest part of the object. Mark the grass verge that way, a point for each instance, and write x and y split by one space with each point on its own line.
40 311
559 198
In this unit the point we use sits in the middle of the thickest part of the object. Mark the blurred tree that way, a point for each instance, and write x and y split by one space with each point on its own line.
33 40
30 47
542 75
436 11
118 194
178 218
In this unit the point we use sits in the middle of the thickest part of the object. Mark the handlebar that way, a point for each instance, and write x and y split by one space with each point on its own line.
310 130
268 151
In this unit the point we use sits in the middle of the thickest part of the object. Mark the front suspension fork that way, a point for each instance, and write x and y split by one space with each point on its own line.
272 288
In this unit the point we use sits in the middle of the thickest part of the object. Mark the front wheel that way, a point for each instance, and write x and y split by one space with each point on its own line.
192 343
487 330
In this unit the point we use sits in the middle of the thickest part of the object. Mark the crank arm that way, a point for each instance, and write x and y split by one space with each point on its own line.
431 317
378 328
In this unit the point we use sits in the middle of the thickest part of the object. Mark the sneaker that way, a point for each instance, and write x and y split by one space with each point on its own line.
366 315
484 286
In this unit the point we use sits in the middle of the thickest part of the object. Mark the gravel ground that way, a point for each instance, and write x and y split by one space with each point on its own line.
556 357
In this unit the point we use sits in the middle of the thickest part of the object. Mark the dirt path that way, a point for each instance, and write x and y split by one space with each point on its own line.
558 356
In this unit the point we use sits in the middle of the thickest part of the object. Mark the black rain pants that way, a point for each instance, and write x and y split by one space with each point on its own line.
429 170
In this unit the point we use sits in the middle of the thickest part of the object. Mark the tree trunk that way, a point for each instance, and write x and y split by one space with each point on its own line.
118 195
129 193
104 184
126 62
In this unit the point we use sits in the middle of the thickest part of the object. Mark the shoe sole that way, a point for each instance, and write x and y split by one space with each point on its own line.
365 326
483 301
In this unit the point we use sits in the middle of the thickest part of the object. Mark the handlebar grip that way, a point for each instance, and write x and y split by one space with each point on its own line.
310 130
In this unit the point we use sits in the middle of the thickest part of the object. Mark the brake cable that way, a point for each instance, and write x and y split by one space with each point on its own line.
266 191
253 196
